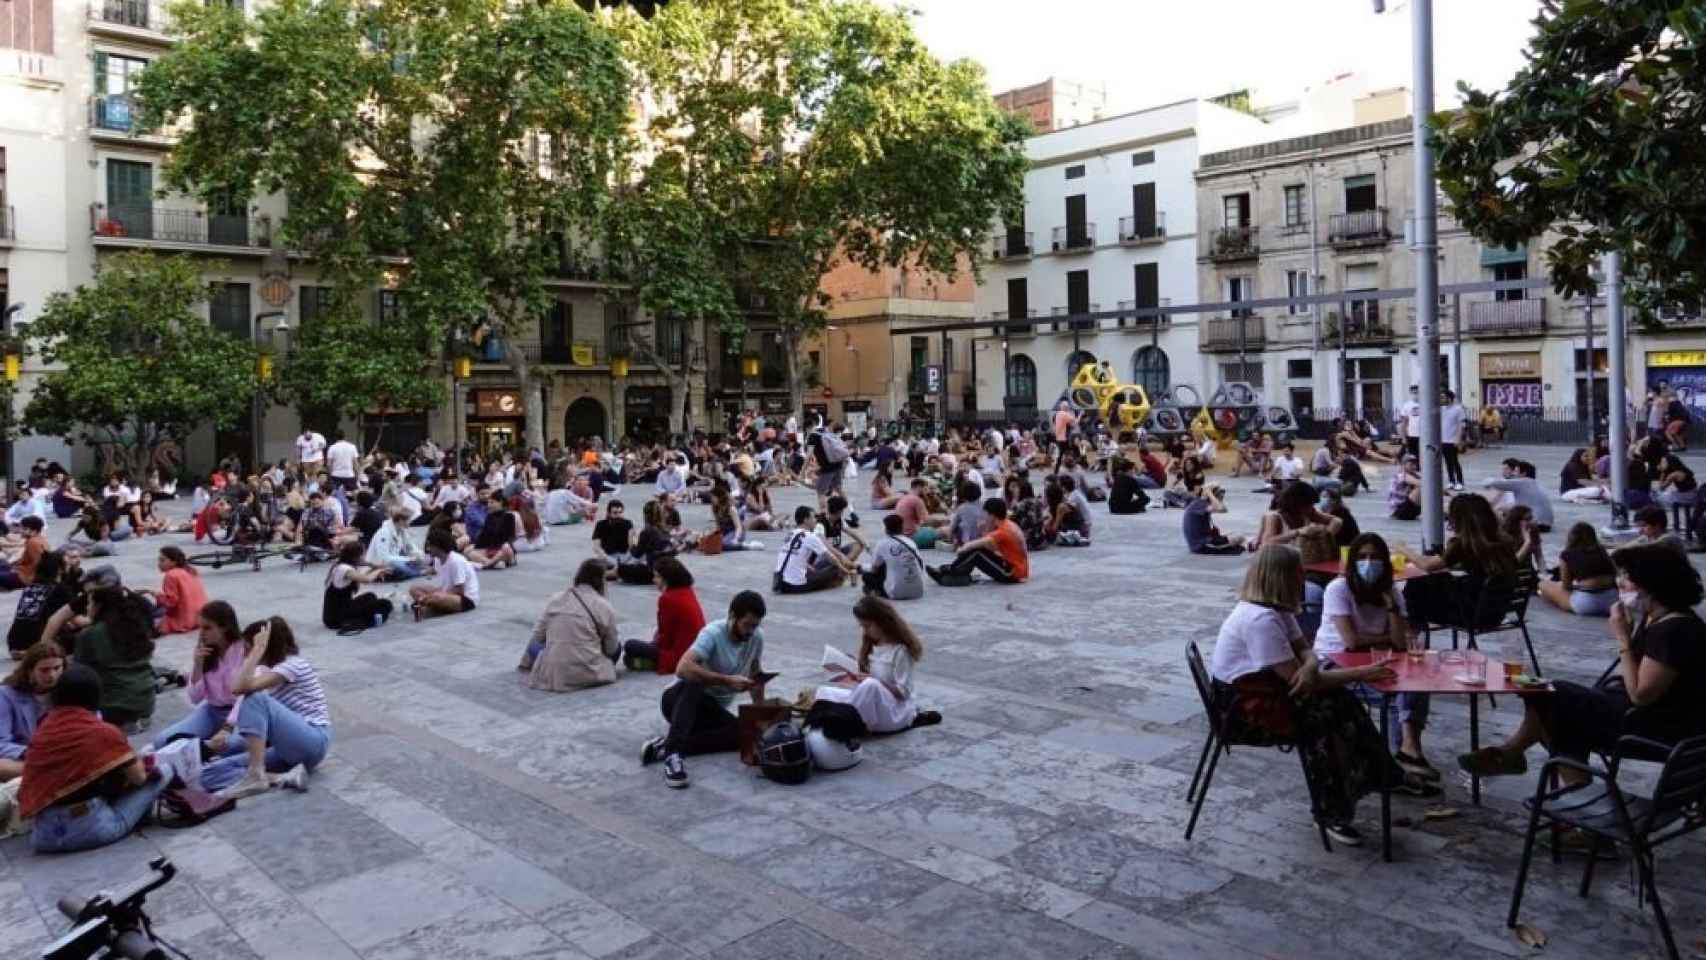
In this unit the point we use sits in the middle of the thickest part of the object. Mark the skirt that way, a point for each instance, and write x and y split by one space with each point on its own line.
881 710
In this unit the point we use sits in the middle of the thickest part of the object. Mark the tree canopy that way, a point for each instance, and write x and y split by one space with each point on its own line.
1596 138
459 146
133 362
791 133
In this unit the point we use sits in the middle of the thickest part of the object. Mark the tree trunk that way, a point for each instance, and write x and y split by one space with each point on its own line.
796 389
532 396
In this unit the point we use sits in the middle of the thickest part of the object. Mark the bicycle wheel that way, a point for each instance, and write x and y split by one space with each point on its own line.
224 533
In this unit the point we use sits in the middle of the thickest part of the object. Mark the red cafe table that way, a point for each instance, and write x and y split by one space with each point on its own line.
1428 675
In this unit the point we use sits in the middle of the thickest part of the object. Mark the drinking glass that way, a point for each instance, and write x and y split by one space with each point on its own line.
1513 669
1416 647
1474 668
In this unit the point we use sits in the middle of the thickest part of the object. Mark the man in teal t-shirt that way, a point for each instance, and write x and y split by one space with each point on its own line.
724 660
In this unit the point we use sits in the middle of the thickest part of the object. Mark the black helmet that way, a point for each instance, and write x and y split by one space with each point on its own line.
782 753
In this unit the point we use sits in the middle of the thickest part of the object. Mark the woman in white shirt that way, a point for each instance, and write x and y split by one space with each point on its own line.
1272 687
456 584
1361 610
881 690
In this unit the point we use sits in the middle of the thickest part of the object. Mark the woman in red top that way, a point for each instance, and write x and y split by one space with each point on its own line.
679 620
181 596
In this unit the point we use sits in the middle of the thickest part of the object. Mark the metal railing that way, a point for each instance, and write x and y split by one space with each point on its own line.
1005 246
8 223
1233 243
1075 324
1152 320
140 14
1015 329
118 112
1506 317
1067 239
1234 333
1143 230
1359 227
1362 323
165 225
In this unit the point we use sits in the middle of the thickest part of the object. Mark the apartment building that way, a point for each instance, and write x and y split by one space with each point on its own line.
1110 224
1325 213
80 179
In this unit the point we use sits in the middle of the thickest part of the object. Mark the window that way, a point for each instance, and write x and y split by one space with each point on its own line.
1300 369
1601 362
1075 172
1239 289
1303 401
116 77
1078 297
1359 193
1235 210
130 200
27 26
1150 370
1018 307
1076 362
314 303
814 359
1076 227
1296 285
669 338
557 332
1250 373
1021 381
389 307
1294 209
228 218
1143 220
1146 290
228 310
1142 158
920 355
1510 271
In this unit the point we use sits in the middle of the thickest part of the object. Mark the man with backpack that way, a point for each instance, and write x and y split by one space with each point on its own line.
830 453
805 563
897 568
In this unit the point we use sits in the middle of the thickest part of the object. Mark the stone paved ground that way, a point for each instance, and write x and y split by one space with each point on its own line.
463 815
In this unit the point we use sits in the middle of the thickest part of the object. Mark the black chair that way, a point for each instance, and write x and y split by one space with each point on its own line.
1500 605
1222 737
1604 811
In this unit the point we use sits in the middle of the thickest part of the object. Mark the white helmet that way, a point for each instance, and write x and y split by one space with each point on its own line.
829 754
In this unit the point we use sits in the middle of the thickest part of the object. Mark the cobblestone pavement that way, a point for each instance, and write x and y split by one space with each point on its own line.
461 814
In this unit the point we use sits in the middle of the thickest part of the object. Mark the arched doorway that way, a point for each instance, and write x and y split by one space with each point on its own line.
1021 385
1076 361
585 418
1151 371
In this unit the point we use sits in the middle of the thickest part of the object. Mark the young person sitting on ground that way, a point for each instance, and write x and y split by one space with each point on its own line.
1587 580
213 675
726 518
1517 526
283 725
1519 486
756 513
897 568
93 535
494 547
178 602
23 701
1404 491
1201 535
342 606
37 604
1333 505
1650 523
881 689
917 521
1126 496
805 563
1256 453
394 550
456 584
840 529
1576 481
574 642
725 660
118 645
1286 467
319 526
613 536
82 783
679 620
883 495
999 554
1065 526
24 559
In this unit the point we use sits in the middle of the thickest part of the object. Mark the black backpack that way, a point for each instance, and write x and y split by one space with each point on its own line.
782 753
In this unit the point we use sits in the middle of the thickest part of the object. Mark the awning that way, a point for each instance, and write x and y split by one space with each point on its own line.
1495 256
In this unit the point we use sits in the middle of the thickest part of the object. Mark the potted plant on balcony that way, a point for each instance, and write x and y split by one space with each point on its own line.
1231 241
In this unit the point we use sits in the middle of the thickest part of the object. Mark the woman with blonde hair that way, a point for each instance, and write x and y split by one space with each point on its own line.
1272 687
881 689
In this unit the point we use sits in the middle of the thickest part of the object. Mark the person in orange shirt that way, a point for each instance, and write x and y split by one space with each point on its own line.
181 596
999 554
23 572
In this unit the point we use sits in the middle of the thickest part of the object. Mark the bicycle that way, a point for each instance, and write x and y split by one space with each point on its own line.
113 926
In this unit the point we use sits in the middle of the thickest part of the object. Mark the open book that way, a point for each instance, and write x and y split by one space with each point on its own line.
837 662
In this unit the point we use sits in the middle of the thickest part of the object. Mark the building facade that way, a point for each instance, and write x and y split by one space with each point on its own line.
1055 103
79 180
1110 224
1325 214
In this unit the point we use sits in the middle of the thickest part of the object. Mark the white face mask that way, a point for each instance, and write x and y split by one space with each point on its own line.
1629 598
1368 570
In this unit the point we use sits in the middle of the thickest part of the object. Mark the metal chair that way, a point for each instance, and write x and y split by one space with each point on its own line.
1222 736
1603 810
1501 605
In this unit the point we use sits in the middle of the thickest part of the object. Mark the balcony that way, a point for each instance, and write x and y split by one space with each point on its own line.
583 271
8 226
172 229
1232 334
1362 228
1015 329
1227 244
1058 312
144 20
1143 323
1074 240
1010 246
1134 232
1506 318
113 117
1364 325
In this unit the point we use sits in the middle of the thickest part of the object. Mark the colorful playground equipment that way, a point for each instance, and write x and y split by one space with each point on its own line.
1238 410
1235 411
1124 406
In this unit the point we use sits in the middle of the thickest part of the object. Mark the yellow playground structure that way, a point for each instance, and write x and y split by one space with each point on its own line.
1095 387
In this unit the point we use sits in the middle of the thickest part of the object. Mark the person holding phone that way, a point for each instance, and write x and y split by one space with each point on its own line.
724 662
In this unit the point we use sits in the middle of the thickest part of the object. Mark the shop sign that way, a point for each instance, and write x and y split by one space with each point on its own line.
773 404
1513 394
497 403
1676 358
1510 366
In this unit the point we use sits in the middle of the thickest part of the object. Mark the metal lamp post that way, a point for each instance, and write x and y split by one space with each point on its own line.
264 373
14 371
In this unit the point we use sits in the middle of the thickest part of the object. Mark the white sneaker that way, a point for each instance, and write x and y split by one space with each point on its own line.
253 784
296 778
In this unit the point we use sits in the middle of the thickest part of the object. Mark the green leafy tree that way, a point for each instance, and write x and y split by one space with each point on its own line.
462 145
790 134
134 366
1596 139
338 368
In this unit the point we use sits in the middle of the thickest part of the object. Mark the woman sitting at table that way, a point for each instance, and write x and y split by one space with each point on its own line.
1661 669
1272 687
1587 582
1479 557
1362 610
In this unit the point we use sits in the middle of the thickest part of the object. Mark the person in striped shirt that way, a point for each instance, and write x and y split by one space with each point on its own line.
283 724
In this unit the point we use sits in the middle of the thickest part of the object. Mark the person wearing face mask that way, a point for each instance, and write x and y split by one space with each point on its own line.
1361 611
1661 668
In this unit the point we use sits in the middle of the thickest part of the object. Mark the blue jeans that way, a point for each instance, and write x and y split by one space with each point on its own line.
407 569
290 740
202 722
1405 707
61 829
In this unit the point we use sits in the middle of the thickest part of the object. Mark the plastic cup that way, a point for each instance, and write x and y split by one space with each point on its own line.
1513 669
1398 562
1344 557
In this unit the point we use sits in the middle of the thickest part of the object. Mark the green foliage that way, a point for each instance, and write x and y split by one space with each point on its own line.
138 364
1597 137
341 366
792 133
461 136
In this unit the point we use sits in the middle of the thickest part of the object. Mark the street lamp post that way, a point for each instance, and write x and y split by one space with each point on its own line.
14 370
264 372
1617 402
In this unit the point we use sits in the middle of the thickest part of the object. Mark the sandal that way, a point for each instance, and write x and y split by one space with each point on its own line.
1493 762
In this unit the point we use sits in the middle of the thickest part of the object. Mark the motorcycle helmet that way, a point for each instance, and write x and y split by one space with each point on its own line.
831 754
782 754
